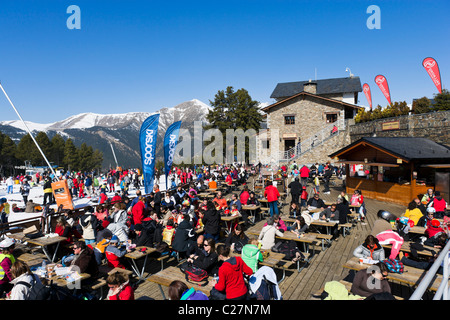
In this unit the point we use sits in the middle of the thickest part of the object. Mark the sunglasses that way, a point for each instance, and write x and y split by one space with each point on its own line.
206 245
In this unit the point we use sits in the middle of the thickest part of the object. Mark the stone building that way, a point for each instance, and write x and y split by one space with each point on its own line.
307 115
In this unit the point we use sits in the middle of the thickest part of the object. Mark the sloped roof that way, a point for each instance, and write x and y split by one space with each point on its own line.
307 94
408 148
324 86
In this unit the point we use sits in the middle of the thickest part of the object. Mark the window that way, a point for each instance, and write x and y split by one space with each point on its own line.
289 119
331 117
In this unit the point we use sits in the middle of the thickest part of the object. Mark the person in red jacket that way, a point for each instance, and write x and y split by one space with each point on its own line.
439 204
137 211
304 175
231 275
116 198
119 287
103 197
433 229
243 197
271 194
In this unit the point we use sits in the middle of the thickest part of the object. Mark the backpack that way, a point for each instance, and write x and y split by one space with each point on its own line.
394 266
49 292
194 274
266 291
288 248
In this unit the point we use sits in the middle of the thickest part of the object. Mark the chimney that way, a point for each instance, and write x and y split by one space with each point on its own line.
310 87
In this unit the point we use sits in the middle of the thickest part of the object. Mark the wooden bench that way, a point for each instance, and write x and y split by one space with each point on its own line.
97 286
323 238
166 276
285 264
411 276
345 227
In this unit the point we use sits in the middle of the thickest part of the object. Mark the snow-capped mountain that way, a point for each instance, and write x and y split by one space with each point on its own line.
121 130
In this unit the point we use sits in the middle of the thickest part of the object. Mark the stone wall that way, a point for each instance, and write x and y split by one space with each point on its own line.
320 153
434 126
310 117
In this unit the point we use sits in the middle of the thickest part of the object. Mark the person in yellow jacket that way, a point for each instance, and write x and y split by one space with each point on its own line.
4 210
48 192
6 261
413 212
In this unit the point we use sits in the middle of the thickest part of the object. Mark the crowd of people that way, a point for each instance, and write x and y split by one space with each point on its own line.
171 220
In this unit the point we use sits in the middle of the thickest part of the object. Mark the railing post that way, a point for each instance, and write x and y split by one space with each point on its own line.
429 276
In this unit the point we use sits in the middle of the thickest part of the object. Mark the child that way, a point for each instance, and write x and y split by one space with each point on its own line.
304 197
114 253
81 187
316 184
234 211
294 211
169 232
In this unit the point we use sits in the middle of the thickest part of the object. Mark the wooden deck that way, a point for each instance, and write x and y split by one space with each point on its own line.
324 266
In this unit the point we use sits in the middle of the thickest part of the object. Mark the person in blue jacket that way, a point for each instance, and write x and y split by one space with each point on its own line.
178 290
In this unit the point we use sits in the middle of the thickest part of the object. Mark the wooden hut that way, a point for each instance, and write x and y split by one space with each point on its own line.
394 169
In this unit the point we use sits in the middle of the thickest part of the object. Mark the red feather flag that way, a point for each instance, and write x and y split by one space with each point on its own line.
433 71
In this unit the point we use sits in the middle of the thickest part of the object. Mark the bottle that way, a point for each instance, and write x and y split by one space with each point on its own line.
44 268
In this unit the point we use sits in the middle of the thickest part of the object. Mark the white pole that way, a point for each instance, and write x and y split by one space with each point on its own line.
114 154
39 148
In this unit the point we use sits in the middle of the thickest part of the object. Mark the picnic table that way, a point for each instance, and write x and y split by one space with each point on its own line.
229 222
62 282
203 195
252 209
406 248
306 240
42 242
138 253
166 276
410 277
415 229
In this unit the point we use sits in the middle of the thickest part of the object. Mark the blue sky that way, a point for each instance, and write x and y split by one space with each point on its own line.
145 55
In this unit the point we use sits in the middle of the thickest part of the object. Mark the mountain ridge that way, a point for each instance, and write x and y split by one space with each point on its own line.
121 130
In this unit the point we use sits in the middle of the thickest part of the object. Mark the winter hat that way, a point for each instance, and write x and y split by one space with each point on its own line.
114 239
7 243
3 200
403 220
435 223
138 227
431 209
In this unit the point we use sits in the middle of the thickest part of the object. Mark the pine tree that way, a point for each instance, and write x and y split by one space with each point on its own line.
8 151
85 157
46 146
57 154
96 159
25 148
442 101
233 110
421 105
70 155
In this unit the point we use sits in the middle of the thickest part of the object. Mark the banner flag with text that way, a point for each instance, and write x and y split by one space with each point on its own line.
170 145
148 135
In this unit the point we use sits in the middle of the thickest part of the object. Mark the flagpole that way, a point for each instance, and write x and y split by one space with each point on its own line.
29 132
